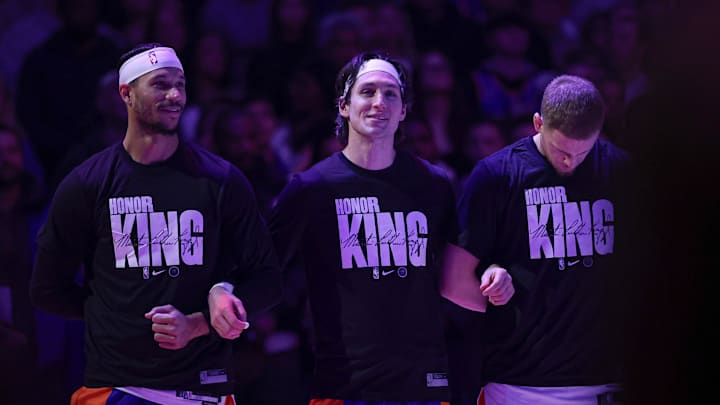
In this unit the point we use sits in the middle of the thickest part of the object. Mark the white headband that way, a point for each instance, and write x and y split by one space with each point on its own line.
379 65
144 62
375 65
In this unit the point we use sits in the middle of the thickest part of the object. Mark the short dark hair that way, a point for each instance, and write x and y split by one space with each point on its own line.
574 106
346 81
136 50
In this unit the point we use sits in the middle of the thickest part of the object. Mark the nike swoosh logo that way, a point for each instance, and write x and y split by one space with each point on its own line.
385 273
155 273
573 262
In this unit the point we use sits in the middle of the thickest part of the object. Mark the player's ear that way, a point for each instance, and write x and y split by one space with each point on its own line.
537 122
124 91
343 108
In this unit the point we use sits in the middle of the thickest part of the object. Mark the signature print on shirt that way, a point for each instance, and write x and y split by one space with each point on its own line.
571 231
371 238
144 238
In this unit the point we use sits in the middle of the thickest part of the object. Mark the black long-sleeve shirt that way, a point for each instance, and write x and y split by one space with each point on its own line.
150 235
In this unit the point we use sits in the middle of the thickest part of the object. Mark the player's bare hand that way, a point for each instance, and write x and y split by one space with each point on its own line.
496 284
172 329
227 313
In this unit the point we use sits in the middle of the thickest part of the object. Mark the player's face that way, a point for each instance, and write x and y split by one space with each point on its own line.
158 99
565 154
375 108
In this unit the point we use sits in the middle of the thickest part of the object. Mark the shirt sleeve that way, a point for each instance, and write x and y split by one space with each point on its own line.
64 242
478 212
452 227
287 224
255 271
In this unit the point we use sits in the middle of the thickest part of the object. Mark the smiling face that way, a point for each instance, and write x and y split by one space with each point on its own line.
156 100
375 108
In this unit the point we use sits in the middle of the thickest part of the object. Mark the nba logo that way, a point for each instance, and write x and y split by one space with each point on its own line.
153 57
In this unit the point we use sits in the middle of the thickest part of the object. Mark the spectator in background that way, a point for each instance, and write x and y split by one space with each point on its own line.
520 128
341 35
22 202
168 25
309 104
443 102
107 127
24 25
595 34
46 98
612 90
224 15
268 359
555 29
39 346
437 24
8 118
237 135
207 121
391 33
419 140
292 38
508 84
585 64
129 20
307 120
236 138
246 27
487 10
627 49
210 68
262 113
484 139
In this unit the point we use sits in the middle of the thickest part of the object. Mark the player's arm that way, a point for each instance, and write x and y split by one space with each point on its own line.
63 243
459 283
53 288
254 283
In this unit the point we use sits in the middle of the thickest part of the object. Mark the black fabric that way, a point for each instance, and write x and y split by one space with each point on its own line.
151 235
558 238
377 316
